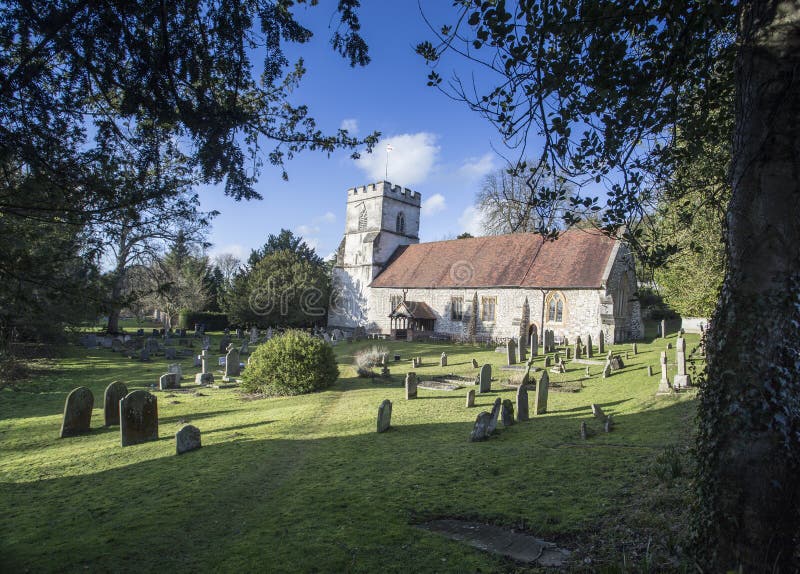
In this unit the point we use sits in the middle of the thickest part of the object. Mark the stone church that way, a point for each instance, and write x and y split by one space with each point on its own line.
387 282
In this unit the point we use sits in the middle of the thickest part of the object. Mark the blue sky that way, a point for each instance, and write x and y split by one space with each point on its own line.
440 148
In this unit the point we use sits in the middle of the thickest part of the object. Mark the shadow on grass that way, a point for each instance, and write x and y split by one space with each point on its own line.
294 494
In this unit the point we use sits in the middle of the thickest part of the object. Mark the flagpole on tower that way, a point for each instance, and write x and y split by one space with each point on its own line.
388 149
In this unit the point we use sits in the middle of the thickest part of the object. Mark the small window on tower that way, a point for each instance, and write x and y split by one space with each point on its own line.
401 223
362 219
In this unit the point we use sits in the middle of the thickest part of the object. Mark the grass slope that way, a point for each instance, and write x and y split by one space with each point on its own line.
305 484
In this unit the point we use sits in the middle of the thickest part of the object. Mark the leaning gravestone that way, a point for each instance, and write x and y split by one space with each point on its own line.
542 388
485 385
522 404
470 398
495 416
511 352
138 418
507 413
443 360
523 350
187 439
232 367
168 381
77 412
480 431
601 342
111 398
384 415
411 386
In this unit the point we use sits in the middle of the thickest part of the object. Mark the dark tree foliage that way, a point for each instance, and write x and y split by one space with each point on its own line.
80 78
625 94
284 241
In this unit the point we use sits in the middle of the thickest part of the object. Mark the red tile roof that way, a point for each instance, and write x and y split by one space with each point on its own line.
413 309
577 259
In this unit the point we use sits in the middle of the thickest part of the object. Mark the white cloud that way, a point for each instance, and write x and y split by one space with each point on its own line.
306 230
410 162
351 125
329 217
434 204
234 249
471 221
477 167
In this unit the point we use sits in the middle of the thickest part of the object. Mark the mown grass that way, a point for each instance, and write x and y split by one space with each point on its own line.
305 484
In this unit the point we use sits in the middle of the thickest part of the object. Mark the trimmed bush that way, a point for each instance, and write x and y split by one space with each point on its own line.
212 321
294 363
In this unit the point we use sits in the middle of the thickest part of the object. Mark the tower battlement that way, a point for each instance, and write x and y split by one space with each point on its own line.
384 188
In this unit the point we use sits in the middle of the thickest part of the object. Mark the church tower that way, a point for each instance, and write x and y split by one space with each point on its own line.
380 218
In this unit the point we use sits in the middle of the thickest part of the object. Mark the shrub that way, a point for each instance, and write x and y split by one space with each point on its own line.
212 321
290 364
367 358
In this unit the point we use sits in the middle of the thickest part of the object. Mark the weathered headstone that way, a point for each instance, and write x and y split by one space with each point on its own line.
507 413
609 424
223 343
589 349
117 346
547 362
232 367
569 352
663 384
187 439
534 343
169 353
470 398
443 360
111 398
649 370
176 369
522 349
204 379
480 431
663 328
475 364
385 415
542 388
607 369
138 418
253 335
239 333
597 411
411 385
511 352
77 412
616 363
583 430
495 415
486 379
601 342
168 381
244 349
682 379
578 349
588 374
635 349
144 355
523 413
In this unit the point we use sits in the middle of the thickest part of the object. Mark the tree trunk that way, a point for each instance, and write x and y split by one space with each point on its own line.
113 320
748 445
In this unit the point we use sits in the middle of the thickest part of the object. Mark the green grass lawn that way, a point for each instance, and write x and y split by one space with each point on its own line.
305 484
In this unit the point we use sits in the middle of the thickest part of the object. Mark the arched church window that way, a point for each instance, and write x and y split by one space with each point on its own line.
362 219
401 223
555 306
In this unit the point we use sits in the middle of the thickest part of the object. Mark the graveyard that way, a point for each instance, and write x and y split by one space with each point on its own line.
306 483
